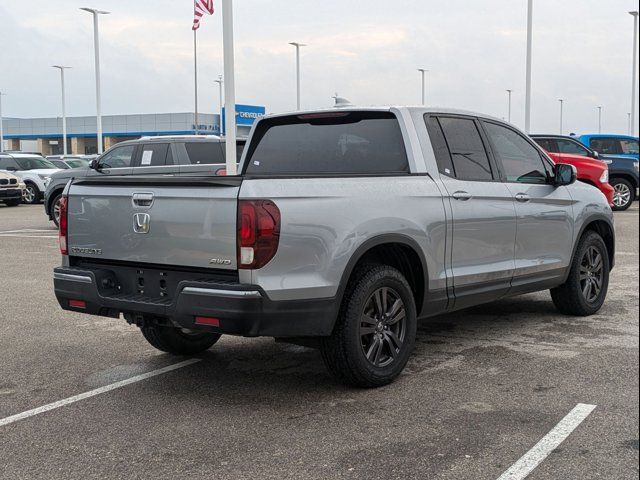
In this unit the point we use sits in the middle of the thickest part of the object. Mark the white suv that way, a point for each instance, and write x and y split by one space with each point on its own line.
34 169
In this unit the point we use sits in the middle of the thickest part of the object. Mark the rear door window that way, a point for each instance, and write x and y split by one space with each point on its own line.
153 155
334 143
7 162
204 153
440 149
468 154
629 146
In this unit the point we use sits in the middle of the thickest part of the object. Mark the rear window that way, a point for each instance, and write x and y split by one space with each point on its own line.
204 153
335 143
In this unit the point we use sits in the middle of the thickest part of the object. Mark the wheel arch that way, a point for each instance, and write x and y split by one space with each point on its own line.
603 226
51 198
628 177
402 251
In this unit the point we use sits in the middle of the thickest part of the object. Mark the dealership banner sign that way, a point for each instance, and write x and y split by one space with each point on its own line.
246 114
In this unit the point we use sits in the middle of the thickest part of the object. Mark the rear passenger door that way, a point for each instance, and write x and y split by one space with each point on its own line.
153 158
482 207
544 213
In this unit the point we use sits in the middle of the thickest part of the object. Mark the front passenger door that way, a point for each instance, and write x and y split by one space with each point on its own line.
483 215
544 211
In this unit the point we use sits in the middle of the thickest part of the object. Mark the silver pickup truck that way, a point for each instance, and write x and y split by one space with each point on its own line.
343 229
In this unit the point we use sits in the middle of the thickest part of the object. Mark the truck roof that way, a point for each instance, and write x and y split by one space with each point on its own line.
388 108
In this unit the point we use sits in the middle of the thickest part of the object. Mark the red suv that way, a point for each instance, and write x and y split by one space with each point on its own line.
591 171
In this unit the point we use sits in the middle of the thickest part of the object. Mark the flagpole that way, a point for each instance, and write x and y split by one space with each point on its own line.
229 86
195 77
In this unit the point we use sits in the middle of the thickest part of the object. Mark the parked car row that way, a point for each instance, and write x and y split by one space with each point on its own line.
618 152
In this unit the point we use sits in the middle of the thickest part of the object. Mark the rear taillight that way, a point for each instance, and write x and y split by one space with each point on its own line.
258 232
63 224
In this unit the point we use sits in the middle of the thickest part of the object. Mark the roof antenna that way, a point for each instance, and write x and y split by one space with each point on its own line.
341 101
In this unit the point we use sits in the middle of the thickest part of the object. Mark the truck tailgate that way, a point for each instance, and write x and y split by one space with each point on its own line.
155 220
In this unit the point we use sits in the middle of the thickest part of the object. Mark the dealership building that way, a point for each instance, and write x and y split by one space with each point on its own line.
44 135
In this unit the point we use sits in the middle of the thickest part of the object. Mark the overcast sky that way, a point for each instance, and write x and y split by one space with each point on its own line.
367 51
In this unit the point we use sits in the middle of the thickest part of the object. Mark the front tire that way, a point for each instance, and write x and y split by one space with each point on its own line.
586 287
375 330
623 195
177 341
32 195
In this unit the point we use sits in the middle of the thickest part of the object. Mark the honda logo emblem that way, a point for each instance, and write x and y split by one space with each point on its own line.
141 223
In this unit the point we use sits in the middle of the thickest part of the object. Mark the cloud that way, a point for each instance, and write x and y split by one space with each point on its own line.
368 51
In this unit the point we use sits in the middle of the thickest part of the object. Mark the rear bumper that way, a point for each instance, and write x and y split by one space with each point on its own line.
240 309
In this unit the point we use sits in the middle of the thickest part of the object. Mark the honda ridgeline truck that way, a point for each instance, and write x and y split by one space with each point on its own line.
343 229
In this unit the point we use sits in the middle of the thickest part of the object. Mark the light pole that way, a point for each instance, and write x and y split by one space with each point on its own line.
64 110
229 86
509 92
527 100
1 129
423 73
561 100
633 74
220 81
599 119
629 126
297 46
96 47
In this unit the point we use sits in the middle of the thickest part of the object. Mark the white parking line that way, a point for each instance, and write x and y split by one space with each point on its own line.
28 230
27 236
93 393
523 467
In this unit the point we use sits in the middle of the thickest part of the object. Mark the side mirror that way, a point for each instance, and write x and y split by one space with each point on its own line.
565 174
596 155
94 165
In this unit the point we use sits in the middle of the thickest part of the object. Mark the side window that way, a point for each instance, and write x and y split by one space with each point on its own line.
440 150
605 145
520 160
629 146
119 157
547 144
573 148
203 153
169 160
468 155
7 162
154 155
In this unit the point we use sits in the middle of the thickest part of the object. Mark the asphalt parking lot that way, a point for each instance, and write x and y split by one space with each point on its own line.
482 388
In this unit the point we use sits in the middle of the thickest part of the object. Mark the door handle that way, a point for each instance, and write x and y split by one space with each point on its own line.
523 197
142 199
464 196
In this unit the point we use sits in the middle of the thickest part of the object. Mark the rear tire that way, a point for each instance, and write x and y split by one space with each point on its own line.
586 287
178 342
375 330
624 194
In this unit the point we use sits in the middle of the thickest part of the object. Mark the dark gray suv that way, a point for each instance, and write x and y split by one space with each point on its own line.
147 155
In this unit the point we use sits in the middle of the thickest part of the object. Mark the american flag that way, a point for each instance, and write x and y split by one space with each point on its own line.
200 7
